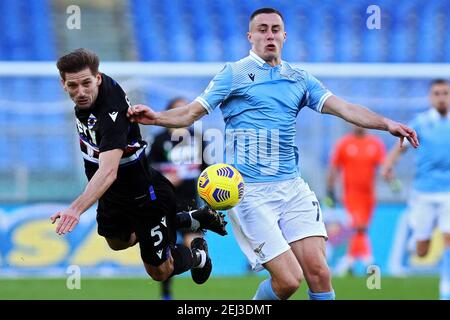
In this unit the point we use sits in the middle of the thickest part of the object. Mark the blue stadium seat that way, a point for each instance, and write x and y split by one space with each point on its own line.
56 151
318 31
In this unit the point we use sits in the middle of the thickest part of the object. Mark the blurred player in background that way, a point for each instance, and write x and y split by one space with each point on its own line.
429 203
357 156
177 154
278 224
135 202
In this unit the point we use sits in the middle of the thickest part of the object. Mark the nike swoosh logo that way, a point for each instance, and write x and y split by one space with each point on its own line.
113 115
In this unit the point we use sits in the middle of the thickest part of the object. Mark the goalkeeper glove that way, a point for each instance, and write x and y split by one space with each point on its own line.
395 185
330 199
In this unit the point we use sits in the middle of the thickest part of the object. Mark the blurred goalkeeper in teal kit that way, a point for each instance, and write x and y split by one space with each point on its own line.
278 224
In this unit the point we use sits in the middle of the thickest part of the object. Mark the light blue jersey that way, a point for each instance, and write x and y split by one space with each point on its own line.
432 158
260 104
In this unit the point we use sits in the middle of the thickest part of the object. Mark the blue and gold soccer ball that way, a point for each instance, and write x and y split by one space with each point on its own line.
221 186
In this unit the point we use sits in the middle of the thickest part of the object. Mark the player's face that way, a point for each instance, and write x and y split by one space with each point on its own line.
440 97
82 87
267 37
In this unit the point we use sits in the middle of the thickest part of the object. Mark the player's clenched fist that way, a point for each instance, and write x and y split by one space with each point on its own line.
68 219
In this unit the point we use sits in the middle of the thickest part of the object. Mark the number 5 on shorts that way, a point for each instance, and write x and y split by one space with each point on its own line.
156 232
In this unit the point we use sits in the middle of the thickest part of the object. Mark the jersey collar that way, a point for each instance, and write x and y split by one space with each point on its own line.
435 115
261 61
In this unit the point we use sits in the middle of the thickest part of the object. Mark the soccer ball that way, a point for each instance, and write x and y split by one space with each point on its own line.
221 186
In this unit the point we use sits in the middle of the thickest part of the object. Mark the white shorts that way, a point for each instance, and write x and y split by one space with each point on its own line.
272 215
427 211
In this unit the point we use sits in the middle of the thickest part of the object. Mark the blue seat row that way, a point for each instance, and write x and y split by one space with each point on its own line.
318 31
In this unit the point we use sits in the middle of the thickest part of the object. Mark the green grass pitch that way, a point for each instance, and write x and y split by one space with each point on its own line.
236 288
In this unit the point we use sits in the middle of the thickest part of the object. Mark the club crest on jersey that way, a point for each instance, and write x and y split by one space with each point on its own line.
292 75
91 122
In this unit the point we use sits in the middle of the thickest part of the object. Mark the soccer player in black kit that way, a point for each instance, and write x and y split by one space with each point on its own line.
136 204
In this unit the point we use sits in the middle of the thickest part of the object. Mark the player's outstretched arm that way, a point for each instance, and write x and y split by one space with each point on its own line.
180 117
97 186
366 118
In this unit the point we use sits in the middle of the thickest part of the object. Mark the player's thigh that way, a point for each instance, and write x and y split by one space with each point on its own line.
302 217
154 222
117 244
311 254
256 229
285 268
113 224
422 216
155 240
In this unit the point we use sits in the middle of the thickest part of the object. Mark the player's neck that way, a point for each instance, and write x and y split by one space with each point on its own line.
274 62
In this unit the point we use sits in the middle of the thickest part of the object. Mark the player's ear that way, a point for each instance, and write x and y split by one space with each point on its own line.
99 78
63 83
249 37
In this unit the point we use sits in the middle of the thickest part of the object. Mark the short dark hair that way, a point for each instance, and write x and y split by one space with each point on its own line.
266 10
438 81
76 61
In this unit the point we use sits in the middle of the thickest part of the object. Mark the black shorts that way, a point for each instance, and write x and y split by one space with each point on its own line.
151 216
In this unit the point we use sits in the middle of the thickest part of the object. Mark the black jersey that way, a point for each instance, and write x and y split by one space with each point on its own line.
183 157
103 127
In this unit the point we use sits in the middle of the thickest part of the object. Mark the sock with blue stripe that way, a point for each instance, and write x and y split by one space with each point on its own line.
265 291
444 283
321 295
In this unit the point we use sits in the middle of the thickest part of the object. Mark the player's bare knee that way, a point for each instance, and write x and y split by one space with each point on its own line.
292 285
158 275
319 274
287 285
161 272
288 288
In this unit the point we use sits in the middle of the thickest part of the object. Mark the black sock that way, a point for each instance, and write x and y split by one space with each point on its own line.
183 259
165 288
183 220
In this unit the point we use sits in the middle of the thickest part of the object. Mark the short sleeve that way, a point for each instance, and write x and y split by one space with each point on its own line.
218 89
114 122
316 93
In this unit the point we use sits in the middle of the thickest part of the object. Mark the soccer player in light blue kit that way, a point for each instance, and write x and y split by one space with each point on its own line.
278 224
430 199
